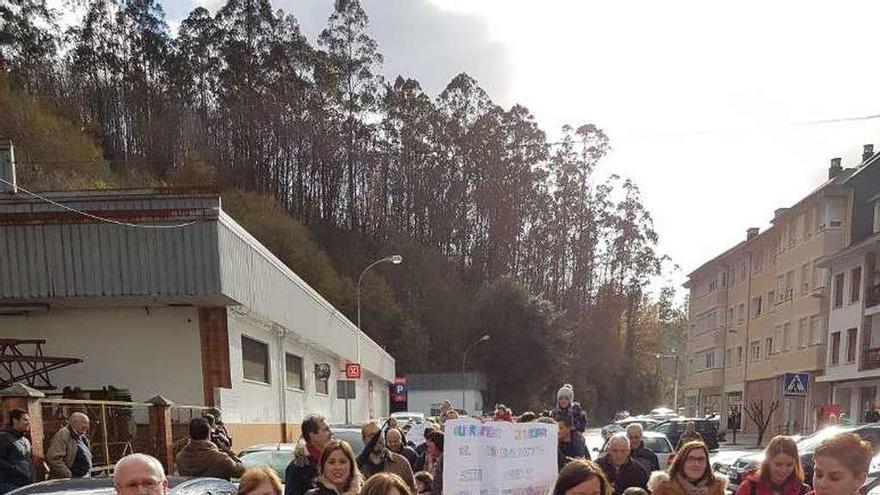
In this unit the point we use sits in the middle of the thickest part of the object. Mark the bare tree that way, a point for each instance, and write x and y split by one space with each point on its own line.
755 411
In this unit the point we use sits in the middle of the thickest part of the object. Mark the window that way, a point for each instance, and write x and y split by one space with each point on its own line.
855 282
877 217
730 317
803 333
732 276
771 300
758 262
835 348
713 284
789 285
293 366
728 362
805 278
739 354
786 337
255 360
838 290
322 385
792 236
740 313
743 271
756 306
769 346
851 345
818 329
710 359
780 288
808 223
754 351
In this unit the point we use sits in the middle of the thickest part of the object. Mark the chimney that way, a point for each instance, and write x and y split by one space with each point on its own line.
752 233
868 152
835 168
7 167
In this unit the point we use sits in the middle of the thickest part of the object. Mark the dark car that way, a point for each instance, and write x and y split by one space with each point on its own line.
178 485
673 429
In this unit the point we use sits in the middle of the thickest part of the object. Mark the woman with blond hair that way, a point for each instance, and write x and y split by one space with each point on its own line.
259 480
338 473
385 484
780 473
840 465
689 475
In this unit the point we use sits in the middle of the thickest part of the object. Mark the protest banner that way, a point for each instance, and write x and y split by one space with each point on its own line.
499 458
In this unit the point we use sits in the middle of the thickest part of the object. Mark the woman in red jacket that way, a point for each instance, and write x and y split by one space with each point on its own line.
780 473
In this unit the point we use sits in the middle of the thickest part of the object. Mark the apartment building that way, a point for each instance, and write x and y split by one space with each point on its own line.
853 352
760 310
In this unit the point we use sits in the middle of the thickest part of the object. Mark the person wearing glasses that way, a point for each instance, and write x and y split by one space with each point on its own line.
690 474
136 474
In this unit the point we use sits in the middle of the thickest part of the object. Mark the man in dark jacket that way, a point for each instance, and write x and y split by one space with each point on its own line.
641 454
620 469
571 442
203 458
16 464
301 473
377 458
394 441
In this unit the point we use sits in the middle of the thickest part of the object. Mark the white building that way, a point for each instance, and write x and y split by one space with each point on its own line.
426 392
202 313
853 352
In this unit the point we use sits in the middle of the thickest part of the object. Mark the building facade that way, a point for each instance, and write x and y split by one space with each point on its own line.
201 313
761 310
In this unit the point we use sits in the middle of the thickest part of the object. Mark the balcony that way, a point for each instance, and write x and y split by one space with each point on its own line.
870 359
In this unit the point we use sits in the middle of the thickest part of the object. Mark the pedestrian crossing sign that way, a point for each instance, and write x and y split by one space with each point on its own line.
796 384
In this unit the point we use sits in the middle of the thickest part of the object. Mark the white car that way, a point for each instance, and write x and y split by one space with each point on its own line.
657 442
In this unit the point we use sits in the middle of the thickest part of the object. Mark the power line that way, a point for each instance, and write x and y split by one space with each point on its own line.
95 217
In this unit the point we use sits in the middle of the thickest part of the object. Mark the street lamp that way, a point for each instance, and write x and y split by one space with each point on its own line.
675 392
395 259
484 338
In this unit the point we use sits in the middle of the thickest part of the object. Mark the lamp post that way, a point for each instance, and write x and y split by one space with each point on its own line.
484 338
675 390
394 259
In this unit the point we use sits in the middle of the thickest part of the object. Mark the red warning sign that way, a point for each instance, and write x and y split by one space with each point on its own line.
353 371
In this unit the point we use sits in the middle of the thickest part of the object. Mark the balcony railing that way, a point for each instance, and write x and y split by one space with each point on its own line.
870 359
873 298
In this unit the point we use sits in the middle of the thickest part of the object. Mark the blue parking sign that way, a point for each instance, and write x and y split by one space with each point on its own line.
795 384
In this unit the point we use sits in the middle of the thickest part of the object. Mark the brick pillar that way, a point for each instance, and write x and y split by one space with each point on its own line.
20 396
160 431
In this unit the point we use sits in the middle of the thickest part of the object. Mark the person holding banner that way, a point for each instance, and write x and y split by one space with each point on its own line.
581 477
690 474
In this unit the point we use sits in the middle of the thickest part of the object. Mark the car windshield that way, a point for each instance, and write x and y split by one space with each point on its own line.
658 445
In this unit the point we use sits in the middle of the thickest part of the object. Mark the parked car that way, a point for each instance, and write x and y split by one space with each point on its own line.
178 485
657 442
278 455
673 428
408 416
647 423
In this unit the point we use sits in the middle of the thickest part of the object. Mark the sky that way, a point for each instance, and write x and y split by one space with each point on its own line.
707 105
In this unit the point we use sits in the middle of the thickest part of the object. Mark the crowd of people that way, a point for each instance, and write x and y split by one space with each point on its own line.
389 465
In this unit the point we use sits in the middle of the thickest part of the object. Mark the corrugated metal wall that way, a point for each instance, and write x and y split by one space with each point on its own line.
91 259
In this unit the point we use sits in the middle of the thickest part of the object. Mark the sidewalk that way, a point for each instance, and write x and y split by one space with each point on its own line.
744 441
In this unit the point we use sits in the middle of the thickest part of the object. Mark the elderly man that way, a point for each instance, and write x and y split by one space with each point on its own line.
641 454
16 465
620 469
201 457
376 457
69 454
136 474
394 440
